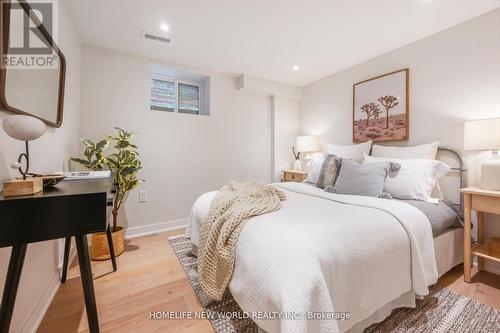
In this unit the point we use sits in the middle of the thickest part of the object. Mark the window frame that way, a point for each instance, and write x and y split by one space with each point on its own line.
177 81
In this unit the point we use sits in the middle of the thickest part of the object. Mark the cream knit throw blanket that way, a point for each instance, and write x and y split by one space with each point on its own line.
233 205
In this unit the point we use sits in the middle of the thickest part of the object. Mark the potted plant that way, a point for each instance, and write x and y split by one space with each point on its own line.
124 164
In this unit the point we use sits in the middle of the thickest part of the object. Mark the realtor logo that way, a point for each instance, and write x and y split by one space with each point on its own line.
31 34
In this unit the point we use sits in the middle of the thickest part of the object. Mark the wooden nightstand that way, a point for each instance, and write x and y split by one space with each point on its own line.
294 176
482 201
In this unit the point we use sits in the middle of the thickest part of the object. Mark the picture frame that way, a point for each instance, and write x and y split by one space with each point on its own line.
381 108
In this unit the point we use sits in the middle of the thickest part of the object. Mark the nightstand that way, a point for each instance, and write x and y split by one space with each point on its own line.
294 176
482 201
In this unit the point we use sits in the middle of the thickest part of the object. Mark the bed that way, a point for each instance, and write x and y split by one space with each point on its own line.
318 256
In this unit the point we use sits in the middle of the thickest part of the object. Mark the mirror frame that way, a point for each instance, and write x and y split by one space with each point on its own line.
3 50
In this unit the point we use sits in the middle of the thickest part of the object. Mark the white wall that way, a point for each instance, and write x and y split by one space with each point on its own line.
183 155
454 76
285 130
39 280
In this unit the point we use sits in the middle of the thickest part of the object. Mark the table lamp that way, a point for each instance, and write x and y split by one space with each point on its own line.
24 128
304 144
484 134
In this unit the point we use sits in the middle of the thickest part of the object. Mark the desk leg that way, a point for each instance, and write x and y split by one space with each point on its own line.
87 282
467 239
67 248
11 284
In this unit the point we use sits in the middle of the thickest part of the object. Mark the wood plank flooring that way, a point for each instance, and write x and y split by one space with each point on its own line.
150 278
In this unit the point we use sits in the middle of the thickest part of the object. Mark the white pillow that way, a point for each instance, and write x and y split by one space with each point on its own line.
415 179
314 170
427 151
354 152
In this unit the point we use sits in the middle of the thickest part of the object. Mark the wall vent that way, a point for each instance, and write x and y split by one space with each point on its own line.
150 36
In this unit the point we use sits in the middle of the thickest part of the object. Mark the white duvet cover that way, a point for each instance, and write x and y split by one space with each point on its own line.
324 252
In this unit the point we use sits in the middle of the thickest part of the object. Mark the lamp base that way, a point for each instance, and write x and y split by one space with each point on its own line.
16 187
297 165
490 175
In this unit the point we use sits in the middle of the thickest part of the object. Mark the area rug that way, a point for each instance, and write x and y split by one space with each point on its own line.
441 311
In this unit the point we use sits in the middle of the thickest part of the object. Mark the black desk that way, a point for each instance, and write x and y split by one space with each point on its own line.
72 208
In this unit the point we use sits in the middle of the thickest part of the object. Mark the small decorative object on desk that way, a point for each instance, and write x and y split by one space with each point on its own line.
294 176
52 180
47 180
24 128
124 165
304 144
81 175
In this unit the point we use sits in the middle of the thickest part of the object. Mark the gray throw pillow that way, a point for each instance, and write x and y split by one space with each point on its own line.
329 171
362 179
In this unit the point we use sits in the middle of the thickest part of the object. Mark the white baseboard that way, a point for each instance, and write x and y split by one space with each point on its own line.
489 267
492 267
35 317
151 229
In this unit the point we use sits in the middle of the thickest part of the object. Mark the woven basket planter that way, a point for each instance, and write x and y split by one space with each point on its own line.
100 251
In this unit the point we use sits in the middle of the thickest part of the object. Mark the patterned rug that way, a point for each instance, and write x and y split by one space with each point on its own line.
441 311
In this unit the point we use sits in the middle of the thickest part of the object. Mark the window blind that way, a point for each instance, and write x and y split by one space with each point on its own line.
189 98
162 95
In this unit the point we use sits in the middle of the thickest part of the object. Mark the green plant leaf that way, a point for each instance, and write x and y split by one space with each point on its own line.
79 161
101 145
87 142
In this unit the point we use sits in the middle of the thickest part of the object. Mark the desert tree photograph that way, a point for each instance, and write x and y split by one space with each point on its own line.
380 108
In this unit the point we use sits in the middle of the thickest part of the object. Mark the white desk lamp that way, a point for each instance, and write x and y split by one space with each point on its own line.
484 134
24 128
304 144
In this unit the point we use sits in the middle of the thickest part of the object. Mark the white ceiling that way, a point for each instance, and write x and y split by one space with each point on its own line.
265 38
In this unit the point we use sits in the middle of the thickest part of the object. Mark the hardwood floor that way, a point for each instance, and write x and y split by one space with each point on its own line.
484 286
150 278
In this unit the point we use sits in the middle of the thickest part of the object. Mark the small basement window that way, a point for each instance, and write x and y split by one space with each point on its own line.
179 91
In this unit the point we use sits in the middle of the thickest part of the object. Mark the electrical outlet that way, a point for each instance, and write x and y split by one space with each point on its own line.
143 196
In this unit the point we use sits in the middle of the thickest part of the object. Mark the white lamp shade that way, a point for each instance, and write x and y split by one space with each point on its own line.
307 143
482 134
24 128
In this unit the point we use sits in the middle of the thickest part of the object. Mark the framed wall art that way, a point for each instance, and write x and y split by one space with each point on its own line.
381 108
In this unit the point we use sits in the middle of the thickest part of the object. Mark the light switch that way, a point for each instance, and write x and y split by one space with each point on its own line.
143 196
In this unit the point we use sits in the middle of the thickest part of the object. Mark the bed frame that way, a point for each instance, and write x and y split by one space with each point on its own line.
461 168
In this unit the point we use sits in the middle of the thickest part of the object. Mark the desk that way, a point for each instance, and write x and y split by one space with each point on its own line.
72 208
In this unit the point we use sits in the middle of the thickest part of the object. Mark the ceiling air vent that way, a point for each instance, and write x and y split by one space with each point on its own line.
157 38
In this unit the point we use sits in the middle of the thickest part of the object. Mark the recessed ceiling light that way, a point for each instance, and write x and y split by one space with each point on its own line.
164 27
295 67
